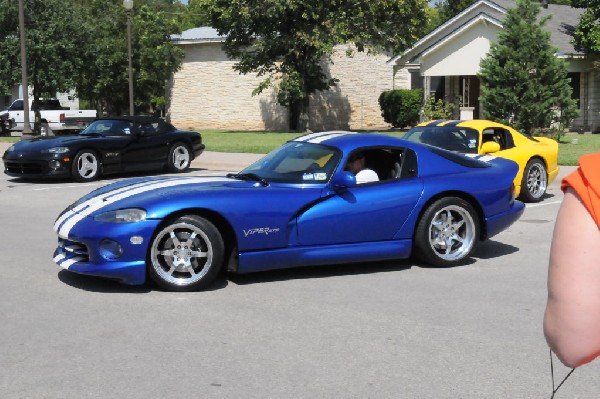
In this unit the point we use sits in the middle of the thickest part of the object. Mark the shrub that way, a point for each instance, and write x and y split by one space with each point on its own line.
437 109
400 108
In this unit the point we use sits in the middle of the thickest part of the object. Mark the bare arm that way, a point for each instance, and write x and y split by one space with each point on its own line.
572 318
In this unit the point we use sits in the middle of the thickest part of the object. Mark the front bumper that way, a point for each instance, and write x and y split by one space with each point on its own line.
81 252
36 165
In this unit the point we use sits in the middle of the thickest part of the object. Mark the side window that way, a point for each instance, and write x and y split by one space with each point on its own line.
16 106
506 139
148 129
387 163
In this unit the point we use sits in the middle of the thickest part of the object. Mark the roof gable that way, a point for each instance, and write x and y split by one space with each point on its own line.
561 27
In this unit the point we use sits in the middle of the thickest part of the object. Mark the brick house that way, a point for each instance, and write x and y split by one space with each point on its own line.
446 61
207 93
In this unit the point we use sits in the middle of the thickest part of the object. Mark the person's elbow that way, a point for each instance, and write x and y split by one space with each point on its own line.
571 348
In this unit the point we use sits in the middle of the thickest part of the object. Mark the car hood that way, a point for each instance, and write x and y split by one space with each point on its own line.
43 143
162 196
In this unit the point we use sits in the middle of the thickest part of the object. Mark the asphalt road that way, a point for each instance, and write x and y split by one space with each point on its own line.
385 330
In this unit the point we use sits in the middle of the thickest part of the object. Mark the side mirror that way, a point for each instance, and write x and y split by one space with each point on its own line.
489 147
342 180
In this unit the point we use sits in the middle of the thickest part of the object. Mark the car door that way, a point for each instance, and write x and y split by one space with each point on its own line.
148 148
362 213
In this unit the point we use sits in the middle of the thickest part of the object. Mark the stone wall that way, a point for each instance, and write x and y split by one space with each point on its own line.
206 93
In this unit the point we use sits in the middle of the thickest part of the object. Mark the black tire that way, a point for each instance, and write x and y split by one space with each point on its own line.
534 182
446 233
180 158
86 166
186 254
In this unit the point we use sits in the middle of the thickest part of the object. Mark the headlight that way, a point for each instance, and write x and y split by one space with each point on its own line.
132 215
57 150
11 148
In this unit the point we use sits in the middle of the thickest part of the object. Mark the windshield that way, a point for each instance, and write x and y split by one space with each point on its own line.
296 162
109 127
451 138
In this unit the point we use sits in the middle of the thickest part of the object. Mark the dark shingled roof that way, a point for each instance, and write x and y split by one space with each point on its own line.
561 26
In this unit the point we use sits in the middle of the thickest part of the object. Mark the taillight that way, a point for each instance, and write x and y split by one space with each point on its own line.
513 193
62 118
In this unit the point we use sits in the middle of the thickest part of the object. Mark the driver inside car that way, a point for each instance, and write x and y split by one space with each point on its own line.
356 165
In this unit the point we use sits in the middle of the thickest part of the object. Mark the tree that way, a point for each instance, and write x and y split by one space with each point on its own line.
448 9
155 58
587 32
523 82
286 42
53 38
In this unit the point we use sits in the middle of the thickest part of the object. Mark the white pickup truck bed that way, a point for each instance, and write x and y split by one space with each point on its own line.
55 118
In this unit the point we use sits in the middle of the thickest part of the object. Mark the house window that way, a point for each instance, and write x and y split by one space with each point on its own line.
575 78
416 80
437 87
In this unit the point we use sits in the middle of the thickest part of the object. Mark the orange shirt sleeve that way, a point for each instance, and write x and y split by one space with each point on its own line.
586 183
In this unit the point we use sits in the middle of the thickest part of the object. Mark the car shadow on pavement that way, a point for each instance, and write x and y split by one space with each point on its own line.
107 286
311 272
493 249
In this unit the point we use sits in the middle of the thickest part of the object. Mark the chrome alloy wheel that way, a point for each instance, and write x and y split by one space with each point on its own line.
87 165
181 157
452 232
181 254
537 181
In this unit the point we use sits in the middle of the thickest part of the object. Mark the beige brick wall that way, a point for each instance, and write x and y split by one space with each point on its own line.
206 93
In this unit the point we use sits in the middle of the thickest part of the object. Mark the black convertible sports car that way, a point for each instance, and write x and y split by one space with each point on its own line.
113 145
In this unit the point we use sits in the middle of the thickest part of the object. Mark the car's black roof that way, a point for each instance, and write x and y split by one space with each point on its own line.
135 118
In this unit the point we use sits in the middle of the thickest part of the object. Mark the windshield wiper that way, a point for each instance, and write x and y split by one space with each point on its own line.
249 176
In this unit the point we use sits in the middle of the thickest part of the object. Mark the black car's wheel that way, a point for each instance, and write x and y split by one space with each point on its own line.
534 182
446 233
179 158
186 255
86 166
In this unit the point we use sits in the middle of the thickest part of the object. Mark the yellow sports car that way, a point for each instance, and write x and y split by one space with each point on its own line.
537 156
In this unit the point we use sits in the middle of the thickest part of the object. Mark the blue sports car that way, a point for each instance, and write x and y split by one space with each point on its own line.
297 206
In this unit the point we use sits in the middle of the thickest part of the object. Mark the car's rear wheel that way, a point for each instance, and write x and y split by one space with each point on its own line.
186 255
534 182
86 166
179 158
446 233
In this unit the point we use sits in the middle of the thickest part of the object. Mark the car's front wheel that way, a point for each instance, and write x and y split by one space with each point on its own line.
86 166
179 158
186 255
535 181
446 233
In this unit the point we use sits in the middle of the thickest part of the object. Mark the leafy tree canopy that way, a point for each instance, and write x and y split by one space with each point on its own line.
53 38
523 82
154 57
286 41
82 45
587 33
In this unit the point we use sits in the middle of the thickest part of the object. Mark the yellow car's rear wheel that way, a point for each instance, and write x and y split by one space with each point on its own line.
535 181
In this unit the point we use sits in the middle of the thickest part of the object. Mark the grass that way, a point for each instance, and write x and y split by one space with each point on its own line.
571 146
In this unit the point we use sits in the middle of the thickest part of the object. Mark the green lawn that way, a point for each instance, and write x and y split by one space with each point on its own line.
263 142
571 146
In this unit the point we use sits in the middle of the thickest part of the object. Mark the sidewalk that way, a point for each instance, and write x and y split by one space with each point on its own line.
222 161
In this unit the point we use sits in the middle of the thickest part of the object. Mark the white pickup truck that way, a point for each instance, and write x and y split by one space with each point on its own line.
54 117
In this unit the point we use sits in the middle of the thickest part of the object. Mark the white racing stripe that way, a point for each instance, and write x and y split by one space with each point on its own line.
322 136
68 220
318 140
